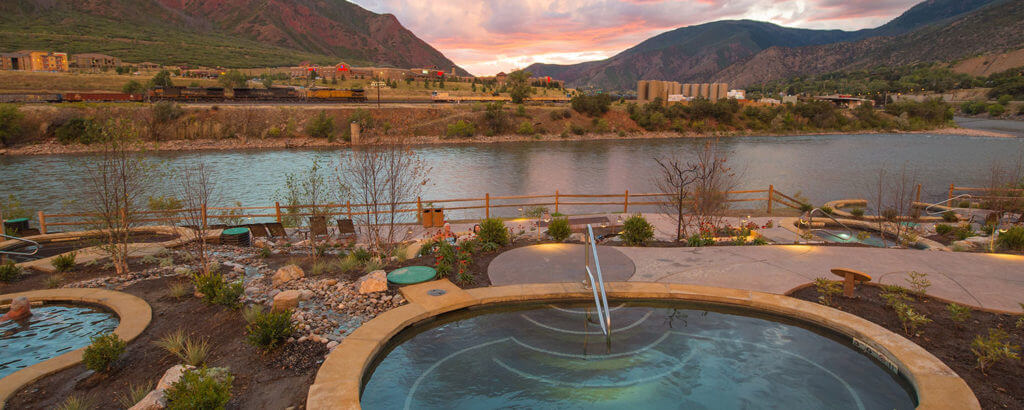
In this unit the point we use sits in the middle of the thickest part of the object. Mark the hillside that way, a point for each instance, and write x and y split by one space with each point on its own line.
232 33
995 28
700 53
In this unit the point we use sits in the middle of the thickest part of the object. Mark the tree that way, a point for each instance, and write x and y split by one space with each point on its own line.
161 116
233 79
133 87
697 189
519 86
197 189
383 176
112 189
267 81
161 79
10 123
894 201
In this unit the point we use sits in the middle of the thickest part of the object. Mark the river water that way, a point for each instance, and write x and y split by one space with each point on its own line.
821 167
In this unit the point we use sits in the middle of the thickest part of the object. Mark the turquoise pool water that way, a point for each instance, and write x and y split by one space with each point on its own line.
51 331
659 356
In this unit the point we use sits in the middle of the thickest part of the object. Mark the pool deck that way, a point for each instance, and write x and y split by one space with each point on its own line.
990 281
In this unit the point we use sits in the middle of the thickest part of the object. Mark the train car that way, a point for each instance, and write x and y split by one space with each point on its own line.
356 95
266 94
31 98
102 97
187 94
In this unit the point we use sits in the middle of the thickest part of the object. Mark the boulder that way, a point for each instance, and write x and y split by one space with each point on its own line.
172 376
287 274
155 400
376 281
287 300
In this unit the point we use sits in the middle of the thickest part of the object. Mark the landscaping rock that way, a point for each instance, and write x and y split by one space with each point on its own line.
155 400
286 300
287 274
172 376
376 281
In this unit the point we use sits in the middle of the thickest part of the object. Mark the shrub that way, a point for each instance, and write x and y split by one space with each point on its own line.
993 349
525 128
950 216
963 231
958 314
461 128
828 290
493 230
697 240
1013 238
270 329
103 351
911 319
321 126
521 111
890 214
203 388
996 110
53 281
591 105
216 290
10 123
826 209
759 241
857 212
9 272
63 262
559 229
80 130
964 204
637 231
919 282
555 115
805 207
973 107
894 295
943 229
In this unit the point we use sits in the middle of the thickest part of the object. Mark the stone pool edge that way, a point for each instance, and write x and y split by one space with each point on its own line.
339 380
134 316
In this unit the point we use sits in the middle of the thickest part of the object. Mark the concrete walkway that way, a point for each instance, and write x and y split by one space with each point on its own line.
991 281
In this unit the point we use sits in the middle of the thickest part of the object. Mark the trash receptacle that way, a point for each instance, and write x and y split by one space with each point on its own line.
438 217
427 217
16 227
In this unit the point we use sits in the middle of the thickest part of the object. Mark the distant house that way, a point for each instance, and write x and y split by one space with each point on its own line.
148 66
15 61
847 101
93 61
501 77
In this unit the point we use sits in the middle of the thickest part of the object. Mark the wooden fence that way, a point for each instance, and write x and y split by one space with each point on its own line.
558 201
960 190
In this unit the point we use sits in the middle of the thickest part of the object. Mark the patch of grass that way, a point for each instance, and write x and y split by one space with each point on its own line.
268 330
9 272
251 312
135 393
195 352
77 403
53 281
64 262
178 290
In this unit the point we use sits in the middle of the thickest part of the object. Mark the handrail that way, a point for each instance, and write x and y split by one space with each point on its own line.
603 313
941 202
31 242
810 220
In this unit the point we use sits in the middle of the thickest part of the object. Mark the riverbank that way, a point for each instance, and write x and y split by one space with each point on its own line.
52 147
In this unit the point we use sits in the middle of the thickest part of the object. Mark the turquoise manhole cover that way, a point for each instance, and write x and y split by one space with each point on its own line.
235 231
411 274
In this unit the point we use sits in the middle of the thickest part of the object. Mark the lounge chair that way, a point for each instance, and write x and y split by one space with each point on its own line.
276 230
346 230
317 227
258 230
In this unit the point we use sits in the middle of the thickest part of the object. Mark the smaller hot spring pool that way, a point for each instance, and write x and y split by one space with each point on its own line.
51 331
661 356
861 237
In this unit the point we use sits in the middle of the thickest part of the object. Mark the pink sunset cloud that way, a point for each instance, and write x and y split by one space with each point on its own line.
486 36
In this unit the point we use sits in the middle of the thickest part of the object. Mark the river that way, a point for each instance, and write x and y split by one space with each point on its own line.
821 167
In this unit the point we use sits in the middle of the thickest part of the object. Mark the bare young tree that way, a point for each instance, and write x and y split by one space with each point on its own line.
113 189
309 187
894 202
1005 191
197 189
383 178
697 189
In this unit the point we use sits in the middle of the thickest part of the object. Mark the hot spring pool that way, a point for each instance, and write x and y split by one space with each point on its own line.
661 355
51 331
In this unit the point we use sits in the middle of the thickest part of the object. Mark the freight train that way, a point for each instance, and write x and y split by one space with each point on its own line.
196 94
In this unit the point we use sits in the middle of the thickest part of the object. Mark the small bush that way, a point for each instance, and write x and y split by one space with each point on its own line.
494 230
943 229
912 320
195 352
592 105
919 282
9 272
993 349
950 216
996 110
10 123
636 231
178 290
964 204
461 128
321 126
216 290
894 295
559 229
827 210
963 231
525 128
78 130
958 313
890 214
200 389
54 281
64 262
270 329
857 212
828 290
1013 238
103 351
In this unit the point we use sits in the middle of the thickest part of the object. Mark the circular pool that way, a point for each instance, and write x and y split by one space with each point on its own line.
660 355
52 330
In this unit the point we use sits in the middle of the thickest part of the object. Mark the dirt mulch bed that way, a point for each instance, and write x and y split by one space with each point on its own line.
32 280
1001 388
278 379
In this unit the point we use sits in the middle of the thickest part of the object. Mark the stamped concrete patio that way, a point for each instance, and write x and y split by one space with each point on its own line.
992 281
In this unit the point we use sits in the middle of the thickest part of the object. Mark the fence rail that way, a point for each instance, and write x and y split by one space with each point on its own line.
958 190
616 201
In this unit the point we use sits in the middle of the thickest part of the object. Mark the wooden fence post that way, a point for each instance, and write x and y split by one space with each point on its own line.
42 223
951 188
487 205
625 203
771 195
556 201
917 197
348 206
277 211
419 210
203 216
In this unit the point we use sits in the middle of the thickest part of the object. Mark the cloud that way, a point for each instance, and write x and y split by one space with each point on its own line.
488 36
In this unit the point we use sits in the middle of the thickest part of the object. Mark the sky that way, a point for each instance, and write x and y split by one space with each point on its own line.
488 36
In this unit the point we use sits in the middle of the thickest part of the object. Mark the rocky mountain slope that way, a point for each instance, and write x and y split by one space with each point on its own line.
702 53
217 32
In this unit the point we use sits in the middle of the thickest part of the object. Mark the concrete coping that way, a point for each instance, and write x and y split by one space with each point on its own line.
134 316
338 382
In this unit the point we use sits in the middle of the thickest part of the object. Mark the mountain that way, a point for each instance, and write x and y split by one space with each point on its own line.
700 53
994 28
233 33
